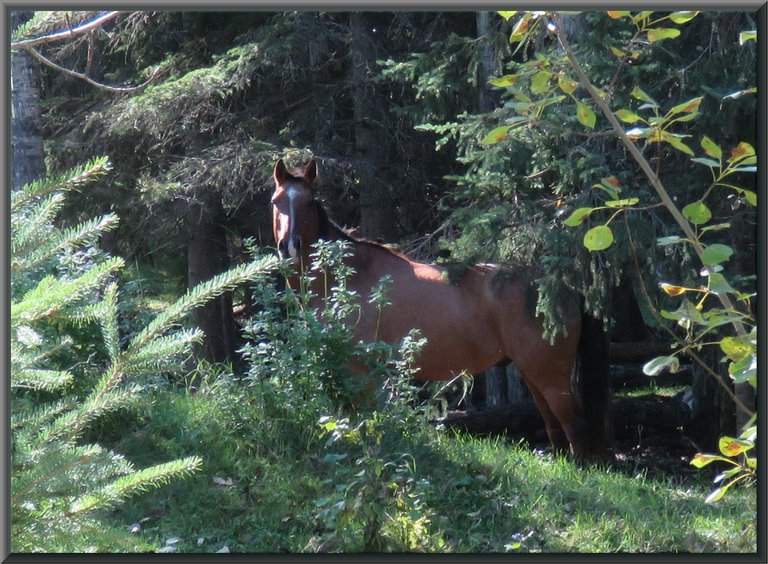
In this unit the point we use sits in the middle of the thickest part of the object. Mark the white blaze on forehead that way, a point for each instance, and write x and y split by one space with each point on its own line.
292 193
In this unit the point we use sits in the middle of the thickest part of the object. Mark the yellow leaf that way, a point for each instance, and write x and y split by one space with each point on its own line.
734 447
519 31
673 290
741 151
495 135
618 52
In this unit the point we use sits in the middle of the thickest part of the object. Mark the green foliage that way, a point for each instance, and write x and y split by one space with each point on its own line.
657 126
60 485
301 371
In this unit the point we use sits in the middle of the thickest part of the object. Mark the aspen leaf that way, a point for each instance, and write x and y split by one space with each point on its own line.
622 203
639 94
496 135
740 93
598 238
672 290
578 216
682 17
585 115
711 163
733 447
653 367
687 107
628 116
566 84
735 348
744 370
717 227
638 132
520 29
745 36
617 14
662 33
618 52
701 460
716 253
697 213
741 151
540 82
674 140
716 495
502 81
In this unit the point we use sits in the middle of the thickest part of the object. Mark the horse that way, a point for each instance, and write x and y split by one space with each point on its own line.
469 326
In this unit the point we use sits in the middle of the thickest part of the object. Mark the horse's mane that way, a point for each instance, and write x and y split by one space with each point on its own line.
330 228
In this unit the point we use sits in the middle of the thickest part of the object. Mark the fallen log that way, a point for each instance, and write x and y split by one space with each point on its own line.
629 414
627 376
642 351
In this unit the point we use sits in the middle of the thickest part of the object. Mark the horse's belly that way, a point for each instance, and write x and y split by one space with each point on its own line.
442 361
451 347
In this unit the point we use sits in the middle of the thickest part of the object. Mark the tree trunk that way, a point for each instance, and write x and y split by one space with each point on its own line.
489 65
27 158
208 256
713 411
377 208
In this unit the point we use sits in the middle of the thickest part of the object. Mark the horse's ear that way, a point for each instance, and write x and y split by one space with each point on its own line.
280 171
310 172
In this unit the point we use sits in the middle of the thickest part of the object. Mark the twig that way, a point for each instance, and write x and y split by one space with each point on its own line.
89 80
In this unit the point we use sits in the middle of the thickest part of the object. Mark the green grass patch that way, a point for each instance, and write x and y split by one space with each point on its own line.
269 485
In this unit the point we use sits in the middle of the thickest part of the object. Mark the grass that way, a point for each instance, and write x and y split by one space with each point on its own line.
264 479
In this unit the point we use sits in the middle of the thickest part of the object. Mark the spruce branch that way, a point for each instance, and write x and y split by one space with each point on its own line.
200 294
52 295
41 379
70 426
37 417
73 238
136 482
64 182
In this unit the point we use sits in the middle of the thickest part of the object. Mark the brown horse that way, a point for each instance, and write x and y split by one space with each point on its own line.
469 326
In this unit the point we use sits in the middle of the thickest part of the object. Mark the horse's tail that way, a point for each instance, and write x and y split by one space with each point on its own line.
594 383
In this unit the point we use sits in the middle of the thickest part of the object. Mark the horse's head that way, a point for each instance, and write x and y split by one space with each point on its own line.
295 217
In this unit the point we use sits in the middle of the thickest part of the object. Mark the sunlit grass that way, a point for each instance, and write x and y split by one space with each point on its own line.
261 478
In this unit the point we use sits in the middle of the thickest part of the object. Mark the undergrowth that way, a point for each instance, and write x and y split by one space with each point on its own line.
289 466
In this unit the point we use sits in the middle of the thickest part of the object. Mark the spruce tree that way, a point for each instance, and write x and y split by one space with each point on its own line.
63 378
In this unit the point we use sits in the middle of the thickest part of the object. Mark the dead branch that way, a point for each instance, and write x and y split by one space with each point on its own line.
67 34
